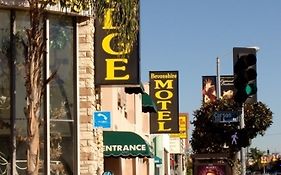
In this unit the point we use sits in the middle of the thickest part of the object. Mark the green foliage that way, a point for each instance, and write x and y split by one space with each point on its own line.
210 137
254 156
74 5
125 16
59 38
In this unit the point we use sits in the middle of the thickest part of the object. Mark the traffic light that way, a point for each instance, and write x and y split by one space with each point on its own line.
244 140
238 139
245 74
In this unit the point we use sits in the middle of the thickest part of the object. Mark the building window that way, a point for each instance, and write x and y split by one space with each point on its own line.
5 96
57 142
119 101
62 93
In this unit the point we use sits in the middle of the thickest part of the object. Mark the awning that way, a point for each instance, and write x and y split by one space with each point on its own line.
125 144
136 89
148 104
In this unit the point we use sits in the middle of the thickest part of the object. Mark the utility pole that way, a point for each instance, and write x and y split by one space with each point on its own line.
218 89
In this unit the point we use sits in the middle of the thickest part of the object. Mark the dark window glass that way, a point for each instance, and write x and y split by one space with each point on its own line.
4 91
22 22
62 102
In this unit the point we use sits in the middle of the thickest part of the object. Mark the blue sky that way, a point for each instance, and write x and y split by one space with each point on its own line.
188 36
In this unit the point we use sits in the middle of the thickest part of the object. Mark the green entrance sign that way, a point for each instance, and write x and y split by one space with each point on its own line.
125 144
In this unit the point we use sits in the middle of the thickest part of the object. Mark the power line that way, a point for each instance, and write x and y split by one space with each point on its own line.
270 134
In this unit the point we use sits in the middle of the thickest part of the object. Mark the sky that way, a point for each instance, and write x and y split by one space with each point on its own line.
188 36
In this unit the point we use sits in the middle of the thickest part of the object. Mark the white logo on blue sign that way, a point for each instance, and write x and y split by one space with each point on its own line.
102 119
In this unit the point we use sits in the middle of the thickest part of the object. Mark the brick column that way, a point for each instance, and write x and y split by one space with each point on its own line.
91 142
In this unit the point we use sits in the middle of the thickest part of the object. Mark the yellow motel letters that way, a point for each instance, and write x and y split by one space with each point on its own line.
164 94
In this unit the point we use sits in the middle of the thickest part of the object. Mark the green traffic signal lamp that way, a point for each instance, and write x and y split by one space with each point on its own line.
251 89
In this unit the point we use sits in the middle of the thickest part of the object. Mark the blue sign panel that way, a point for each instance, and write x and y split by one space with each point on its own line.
102 119
226 117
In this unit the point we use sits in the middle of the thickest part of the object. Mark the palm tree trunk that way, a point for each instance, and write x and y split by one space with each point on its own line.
34 93
33 149
33 89
34 86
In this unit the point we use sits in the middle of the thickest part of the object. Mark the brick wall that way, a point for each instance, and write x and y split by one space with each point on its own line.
91 141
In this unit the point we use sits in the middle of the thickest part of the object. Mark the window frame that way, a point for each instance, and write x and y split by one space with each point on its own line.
46 98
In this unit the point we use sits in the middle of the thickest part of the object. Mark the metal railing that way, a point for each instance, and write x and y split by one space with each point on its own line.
5 165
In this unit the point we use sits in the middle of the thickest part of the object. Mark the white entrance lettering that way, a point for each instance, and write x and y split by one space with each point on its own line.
141 147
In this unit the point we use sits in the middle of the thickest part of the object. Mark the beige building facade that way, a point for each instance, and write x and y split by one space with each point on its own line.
127 116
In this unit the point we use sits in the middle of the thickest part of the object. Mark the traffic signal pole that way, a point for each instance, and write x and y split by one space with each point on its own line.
242 151
245 84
